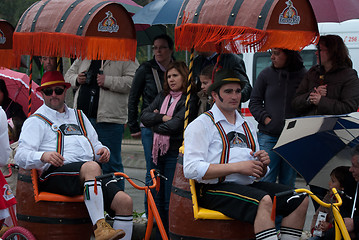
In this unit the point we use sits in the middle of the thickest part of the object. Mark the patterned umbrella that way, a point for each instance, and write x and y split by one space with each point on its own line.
315 145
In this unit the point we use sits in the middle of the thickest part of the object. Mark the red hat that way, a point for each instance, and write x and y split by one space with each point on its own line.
52 78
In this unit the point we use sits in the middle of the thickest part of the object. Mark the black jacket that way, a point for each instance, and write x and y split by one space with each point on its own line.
226 61
272 96
173 127
143 85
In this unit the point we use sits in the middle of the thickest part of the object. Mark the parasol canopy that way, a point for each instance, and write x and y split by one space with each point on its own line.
92 29
7 56
244 25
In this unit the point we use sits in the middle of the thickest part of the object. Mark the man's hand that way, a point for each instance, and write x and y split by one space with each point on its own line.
100 80
250 168
263 157
81 78
136 135
54 158
105 155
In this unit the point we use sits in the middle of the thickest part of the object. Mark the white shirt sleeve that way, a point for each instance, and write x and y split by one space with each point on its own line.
4 139
196 144
28 154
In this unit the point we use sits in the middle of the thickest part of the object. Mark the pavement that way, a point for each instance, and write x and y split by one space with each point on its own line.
134 164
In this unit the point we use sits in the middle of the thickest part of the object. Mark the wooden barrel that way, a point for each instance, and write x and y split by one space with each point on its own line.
182 224
50 220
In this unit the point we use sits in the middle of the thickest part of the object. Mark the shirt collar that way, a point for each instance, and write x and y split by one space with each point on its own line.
218 116
57 114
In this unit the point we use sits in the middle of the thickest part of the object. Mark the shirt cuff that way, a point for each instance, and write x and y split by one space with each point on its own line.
202 169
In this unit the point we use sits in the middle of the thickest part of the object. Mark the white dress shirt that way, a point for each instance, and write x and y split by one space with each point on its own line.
38 137
203 146
4 139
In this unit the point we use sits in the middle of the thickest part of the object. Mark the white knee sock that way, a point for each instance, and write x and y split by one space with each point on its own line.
269 234
290 233
125 223
94 202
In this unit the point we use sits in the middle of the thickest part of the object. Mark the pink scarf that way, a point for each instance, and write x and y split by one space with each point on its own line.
162 142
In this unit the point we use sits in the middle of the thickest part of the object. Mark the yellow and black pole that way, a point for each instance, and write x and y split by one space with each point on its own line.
189 88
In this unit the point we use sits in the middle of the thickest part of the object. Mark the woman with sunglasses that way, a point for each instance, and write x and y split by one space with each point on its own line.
332 86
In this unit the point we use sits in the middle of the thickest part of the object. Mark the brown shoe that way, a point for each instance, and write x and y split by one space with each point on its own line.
103 231
3 230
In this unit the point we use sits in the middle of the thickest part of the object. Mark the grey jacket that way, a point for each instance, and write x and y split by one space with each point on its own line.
113 99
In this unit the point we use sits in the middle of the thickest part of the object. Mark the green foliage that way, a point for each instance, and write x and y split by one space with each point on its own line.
11 10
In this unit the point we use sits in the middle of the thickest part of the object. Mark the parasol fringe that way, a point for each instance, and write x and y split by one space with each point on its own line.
47 44
292 40
205 37
239 39
72 46
114 49
8 59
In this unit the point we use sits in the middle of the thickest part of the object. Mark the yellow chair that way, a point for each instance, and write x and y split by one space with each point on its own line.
203 213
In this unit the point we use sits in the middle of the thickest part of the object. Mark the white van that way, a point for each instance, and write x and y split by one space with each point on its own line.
256 62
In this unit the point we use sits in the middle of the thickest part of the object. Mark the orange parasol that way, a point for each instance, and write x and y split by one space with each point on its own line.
92 29
244 25
7 56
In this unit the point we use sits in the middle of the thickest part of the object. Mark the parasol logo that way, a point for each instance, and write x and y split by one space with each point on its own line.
2 37
289 14
8 195
108 24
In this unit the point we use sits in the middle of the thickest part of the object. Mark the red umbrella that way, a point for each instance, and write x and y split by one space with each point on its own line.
17 85
335 10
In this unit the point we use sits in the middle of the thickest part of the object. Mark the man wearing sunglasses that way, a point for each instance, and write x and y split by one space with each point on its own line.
63 146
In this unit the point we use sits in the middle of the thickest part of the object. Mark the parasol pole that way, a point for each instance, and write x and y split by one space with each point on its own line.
189 89
30 87
355 200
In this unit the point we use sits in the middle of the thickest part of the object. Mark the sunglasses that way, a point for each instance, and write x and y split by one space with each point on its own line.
49 91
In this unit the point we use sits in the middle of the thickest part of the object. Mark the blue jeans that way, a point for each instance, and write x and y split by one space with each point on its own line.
166 165
110 135
278 166
147 142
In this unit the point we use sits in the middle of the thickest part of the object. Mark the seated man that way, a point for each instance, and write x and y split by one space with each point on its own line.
222 155
62 145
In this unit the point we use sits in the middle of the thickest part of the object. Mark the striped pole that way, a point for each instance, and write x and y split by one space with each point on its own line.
189 88
30 87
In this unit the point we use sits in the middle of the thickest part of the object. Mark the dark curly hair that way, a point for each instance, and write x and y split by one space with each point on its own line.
338 52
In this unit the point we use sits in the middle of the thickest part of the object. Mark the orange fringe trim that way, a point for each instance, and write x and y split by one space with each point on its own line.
239 39
8 59
72 46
